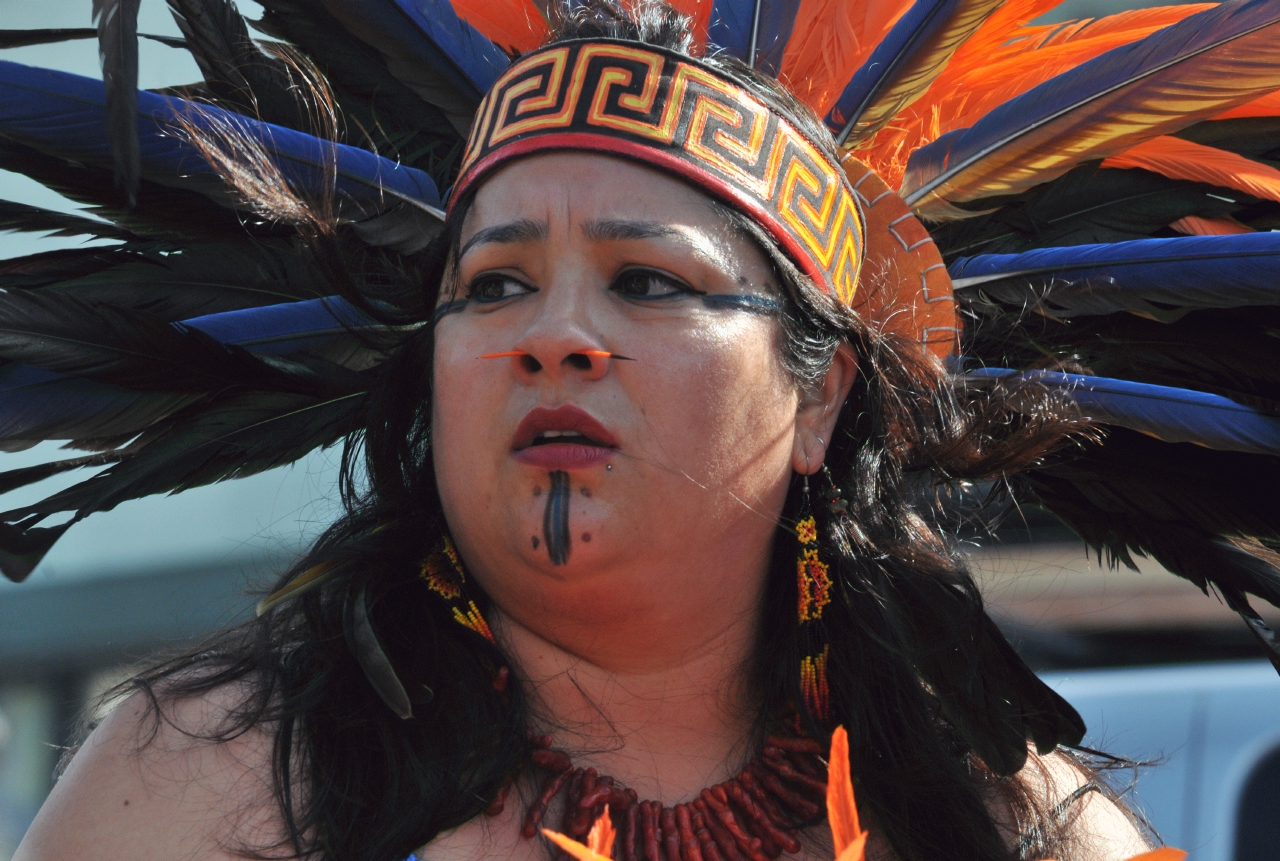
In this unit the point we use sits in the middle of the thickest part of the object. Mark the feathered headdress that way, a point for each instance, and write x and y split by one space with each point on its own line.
1089 203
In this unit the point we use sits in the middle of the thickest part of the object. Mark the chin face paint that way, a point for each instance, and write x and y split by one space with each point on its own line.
555 518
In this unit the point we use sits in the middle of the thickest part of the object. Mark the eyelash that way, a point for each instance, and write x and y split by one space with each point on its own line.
646 278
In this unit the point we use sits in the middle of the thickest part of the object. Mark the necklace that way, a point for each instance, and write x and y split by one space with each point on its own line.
752 816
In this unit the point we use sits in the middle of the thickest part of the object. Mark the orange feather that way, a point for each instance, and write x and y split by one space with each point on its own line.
1179 159
1194 225
700 12
509 24
1267 106
842 808
1003 60
829 41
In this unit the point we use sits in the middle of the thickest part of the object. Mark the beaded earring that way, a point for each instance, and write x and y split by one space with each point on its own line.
443 573
813 594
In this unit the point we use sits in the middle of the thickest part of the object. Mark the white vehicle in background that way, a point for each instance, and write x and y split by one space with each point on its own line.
1214 730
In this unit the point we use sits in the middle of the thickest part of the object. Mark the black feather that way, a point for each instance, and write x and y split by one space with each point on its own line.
118 48
25 38
238 74
986 691
372 658
1229 352
160 211
232 437
134 350
380 111
33 219
1087 205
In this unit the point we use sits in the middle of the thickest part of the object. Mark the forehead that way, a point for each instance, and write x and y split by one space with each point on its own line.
577 187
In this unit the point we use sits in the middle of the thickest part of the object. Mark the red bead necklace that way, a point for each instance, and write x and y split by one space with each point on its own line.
752 816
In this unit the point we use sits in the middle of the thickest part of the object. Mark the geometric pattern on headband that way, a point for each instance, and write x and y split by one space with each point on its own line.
671 112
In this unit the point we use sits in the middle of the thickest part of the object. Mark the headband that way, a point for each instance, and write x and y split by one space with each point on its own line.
667 110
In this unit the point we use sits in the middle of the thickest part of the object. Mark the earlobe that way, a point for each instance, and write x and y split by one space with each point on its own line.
820 410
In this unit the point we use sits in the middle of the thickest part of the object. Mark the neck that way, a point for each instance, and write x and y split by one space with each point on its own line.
666 726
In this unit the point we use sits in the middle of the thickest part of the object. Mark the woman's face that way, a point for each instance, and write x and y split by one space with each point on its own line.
596 485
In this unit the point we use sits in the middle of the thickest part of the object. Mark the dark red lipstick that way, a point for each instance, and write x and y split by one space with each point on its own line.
565 438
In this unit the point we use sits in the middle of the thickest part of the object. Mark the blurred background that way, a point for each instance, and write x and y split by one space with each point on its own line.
1161 673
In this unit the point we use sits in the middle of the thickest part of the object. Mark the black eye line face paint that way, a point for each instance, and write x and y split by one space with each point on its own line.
448 308
555 518
745 302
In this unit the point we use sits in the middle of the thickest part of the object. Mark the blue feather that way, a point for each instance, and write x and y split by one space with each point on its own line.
912 53
427 34
286 328
62 114
1167 413
1192 70
737 25
1185 272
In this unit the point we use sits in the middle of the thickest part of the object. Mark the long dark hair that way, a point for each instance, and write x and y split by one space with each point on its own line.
916 667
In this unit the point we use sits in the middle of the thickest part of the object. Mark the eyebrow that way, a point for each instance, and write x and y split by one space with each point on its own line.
608 229
522 230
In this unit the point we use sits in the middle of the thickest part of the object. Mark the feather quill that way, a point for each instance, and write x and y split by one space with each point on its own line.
754 31
905 64
118 50
1109 104
63 114
1167 413
1158 278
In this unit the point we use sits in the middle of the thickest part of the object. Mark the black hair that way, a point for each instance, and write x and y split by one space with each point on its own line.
914 660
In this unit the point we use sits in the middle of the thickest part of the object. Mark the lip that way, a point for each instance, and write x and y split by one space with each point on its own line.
564 456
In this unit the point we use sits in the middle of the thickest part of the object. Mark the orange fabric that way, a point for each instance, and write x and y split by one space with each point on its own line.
1179 159
904 281
829 41
517 24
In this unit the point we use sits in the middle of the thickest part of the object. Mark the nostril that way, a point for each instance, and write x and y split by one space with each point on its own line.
580 361
530 364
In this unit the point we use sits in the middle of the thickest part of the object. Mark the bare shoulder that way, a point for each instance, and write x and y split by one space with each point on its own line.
1099 828
153 790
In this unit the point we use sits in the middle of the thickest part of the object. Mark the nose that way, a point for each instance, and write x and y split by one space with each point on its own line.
558 362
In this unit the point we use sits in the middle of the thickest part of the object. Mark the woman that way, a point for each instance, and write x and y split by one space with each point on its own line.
646 500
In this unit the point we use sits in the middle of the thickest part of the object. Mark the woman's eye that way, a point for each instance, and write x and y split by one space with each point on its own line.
495 288
649 284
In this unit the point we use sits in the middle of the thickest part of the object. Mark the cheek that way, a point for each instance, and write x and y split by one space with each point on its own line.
466 419
731 420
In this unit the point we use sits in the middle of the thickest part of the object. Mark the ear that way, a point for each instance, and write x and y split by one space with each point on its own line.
818 411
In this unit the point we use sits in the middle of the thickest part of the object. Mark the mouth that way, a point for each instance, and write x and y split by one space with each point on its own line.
565 438
566 425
